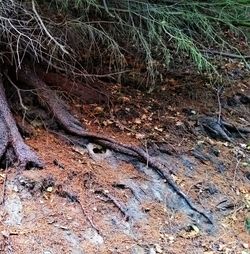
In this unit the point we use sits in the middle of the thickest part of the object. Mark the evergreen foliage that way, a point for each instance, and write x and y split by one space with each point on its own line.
66 33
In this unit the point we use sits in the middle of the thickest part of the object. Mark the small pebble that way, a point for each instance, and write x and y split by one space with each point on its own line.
245 245
152 251
5 233
158 248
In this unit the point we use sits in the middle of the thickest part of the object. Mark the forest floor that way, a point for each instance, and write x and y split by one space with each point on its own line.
91 200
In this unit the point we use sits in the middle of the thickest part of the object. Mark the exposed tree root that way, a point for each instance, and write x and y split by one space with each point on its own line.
214 128
88 218
234 128
115 202
12 146
220 129
73 126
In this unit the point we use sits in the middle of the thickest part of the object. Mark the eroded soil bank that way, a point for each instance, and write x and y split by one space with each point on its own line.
91 200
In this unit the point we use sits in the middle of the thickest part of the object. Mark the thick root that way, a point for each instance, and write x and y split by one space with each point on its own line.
73 126
12 146
56 106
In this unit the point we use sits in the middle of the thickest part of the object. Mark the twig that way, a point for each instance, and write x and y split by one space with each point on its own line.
115 202
46 30
230 55
88 218
3 190
18 91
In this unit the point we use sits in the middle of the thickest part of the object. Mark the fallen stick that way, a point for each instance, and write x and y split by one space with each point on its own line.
3 190
230 55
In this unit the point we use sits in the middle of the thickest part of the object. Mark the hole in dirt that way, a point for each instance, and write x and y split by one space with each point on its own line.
247 175
32 165
119 186
99 150
8 159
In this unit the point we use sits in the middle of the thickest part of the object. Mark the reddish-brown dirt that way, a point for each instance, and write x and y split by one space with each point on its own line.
67 208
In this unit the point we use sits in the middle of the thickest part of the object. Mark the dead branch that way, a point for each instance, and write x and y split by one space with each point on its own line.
230 55
46 30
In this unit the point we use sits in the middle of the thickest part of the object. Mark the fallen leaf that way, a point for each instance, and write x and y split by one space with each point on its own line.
139 136
98 110
158 129
179 123
79 150
138 121
158 248
124 99
191 232
107 122
247 201
245 245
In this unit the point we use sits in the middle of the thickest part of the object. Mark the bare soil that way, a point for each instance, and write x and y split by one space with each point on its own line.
91 200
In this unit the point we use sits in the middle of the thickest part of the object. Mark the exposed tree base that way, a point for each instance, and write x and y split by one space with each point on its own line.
12 147
25 156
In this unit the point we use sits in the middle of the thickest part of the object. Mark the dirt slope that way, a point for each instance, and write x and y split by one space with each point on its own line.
91 200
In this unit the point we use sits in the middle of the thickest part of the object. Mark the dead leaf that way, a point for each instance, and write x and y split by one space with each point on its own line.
79 150
124 99
98 110
107 122
138 121
179 123
158 129
191 232
139 136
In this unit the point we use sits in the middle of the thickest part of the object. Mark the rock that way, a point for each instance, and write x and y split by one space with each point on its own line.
158 248
14 208
92 236
152 251
138 250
